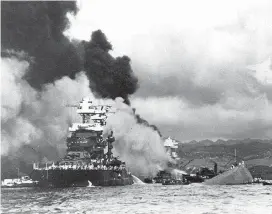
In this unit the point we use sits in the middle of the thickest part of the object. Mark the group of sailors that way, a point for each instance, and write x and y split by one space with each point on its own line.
93 165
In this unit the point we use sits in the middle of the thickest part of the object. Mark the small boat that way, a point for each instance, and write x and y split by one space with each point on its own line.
174 182
267 183
257 181
24 181
149 180
193 178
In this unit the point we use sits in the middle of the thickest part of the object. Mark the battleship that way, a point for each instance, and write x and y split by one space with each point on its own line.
89 159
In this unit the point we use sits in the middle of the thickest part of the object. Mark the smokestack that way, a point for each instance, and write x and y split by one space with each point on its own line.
215 168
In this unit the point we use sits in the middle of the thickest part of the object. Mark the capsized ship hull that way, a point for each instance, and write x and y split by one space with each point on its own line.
238 175
81 177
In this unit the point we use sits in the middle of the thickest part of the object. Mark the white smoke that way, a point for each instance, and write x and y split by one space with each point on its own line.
37 118
40 119
137 144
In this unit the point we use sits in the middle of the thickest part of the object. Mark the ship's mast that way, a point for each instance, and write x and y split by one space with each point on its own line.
110 140
94 115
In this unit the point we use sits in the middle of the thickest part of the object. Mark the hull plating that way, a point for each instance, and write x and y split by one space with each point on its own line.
66 178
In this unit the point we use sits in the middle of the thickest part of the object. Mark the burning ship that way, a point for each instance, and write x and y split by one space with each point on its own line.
89 158
171 173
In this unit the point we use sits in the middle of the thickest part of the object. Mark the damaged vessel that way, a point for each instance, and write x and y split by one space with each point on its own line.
238 174
89 157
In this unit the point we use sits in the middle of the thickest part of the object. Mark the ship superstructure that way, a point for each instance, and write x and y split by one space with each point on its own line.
89 157
171 146
85 139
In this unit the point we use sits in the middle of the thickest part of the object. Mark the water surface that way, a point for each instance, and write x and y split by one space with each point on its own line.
150 198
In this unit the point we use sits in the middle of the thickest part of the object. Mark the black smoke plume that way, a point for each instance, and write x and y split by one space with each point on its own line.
36 27
145 122
110 77
39 62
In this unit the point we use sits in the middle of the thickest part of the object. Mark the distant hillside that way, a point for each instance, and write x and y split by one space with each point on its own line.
245 149
254 152
264 172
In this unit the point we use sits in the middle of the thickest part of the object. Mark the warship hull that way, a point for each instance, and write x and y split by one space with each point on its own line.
235 176
81 178
89 160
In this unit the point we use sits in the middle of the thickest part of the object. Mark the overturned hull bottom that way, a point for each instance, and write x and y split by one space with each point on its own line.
235 176
81 178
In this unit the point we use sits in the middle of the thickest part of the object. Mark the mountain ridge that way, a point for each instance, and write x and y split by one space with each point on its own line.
229 141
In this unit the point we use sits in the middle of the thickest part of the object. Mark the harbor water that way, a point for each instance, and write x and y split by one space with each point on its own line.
148 198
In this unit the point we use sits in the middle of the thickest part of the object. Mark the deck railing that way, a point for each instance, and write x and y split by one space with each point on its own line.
78 167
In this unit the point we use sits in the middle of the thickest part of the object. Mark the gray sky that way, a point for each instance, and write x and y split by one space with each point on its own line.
204 67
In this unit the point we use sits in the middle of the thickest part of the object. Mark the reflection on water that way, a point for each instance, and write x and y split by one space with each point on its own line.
151 198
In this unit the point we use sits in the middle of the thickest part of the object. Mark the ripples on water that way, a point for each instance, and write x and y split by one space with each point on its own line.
151 198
